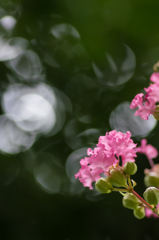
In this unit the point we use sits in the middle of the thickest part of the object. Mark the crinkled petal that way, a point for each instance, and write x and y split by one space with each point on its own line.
120 144
137 101
144 108
87 176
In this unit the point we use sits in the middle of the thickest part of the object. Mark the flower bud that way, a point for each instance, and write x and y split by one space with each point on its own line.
151 179
151 195
103 185
130 201
139 212
130 168
156 112
117 178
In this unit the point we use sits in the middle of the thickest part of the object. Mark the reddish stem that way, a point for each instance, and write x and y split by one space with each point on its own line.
141 199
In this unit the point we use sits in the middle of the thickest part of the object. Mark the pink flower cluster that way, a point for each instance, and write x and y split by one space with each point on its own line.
110 149
147 103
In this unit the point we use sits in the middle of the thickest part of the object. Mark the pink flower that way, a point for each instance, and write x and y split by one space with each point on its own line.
110 148
147 104
86 175
119 144
146 107
150 214
101 159
152 92
137 101
147 149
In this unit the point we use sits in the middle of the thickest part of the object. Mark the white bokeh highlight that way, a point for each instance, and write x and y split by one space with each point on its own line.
11 48
8 22
33 109
122 119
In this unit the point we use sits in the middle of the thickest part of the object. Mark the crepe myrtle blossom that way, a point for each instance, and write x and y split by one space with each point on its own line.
110 165
147 104
111 148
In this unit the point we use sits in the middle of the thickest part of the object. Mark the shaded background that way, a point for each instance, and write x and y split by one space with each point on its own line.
68 72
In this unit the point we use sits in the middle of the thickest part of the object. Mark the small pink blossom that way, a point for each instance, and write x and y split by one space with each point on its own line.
147 149
145 107
152 92
147 103
109 149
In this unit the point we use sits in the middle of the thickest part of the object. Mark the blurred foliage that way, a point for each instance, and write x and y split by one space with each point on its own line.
69 70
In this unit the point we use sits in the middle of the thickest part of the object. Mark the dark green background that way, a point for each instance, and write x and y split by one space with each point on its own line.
28 212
